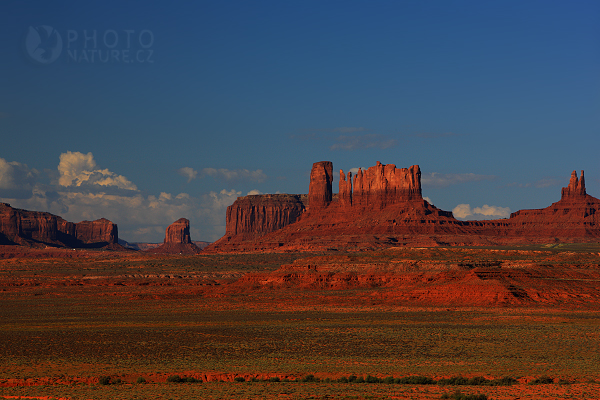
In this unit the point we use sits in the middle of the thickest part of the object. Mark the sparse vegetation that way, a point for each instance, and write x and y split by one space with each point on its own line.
457 395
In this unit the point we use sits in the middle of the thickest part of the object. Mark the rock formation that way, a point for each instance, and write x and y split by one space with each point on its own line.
576 187
319 190
178 232
177 239
37 228
254 215
383 206
383 185
100 230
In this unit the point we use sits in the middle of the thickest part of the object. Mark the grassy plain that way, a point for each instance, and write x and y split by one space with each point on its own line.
67 322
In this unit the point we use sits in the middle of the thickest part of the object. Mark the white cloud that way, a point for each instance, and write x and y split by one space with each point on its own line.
465 212
434 179
188 172
253 192
140 217
427 199
78 169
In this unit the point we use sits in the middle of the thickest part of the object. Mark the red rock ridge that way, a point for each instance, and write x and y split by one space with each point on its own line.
385 207
255 215
37 228
100 230
382 185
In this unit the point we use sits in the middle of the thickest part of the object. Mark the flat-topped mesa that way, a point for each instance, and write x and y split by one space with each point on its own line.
98 231
576 187
259 214
178 232
38 228
384 184
319 190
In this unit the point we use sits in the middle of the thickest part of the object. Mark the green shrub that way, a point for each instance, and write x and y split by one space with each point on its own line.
504 381
343 379
104 380
415 380
477 381
455 380
389 380
174 379
372 379
352 378
542 380
141 379
274 379
239 379
179 379
310 378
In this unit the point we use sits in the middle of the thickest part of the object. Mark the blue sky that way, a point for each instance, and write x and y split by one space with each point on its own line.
496 101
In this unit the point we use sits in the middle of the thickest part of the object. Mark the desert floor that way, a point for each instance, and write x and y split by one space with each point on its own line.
107 325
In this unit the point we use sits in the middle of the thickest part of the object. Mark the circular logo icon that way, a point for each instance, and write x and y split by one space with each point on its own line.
43 44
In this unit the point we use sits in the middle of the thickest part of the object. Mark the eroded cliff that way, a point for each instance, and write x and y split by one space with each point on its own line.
37 228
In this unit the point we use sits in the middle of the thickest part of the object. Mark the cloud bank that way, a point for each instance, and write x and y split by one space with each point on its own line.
465 212
81 190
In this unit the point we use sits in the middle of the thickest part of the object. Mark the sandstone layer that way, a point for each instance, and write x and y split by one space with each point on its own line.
37 228
383 206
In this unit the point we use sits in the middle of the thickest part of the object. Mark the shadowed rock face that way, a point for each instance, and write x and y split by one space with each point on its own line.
383 206
319 190
255 215
100 230
41 228
178 232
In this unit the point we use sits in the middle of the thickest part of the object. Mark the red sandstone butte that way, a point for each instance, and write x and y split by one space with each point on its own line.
37 228
178 232
255 215
383 206
319 190
177 239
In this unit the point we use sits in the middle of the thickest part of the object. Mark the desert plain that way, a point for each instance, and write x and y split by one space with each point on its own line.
498 322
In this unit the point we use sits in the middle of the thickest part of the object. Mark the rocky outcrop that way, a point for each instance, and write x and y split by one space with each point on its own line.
319 189
98 231
383 206
37 228
383 185
178 232
255 215
177 240
576 187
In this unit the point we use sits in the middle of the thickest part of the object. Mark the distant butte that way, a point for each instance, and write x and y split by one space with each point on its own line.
40 229
177 240
383 206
